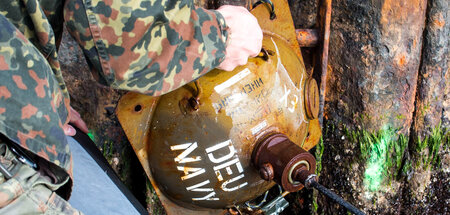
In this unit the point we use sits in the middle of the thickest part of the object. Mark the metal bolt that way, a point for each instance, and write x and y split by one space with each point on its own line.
194 103
266 172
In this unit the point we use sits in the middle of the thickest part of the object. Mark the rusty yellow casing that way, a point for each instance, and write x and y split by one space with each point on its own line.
196 142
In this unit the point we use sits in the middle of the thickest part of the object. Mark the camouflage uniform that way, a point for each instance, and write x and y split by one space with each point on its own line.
148 46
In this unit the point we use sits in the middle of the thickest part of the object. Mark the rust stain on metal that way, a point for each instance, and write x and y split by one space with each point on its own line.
324 24
222 121
314 134
199 117
399 11
266 172
312 99
136 126
135 112
282 25
307 37
285 158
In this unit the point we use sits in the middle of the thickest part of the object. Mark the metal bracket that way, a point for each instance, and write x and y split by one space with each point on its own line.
276 206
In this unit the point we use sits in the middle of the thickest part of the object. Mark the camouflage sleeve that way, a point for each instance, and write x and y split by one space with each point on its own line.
148 46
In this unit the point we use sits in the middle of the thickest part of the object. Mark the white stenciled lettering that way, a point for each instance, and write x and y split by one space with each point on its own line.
199 188
228 163
207 197
285 96
294 104
233 80
284 99
224 164
190 172
221 145
290 100
229 171
219 176
224 185
259 127
188 149
227 167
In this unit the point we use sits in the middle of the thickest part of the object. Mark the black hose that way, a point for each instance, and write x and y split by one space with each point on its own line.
335 197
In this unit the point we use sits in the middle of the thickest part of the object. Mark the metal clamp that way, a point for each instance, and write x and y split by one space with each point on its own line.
276 206
12 161
5 172
22 156
252 207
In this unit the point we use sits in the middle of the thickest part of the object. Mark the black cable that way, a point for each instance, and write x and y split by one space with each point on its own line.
272 8
335 197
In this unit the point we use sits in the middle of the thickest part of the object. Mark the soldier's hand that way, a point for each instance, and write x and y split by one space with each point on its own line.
244 36
76 120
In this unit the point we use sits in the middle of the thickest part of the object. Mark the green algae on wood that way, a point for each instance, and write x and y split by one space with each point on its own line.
385 153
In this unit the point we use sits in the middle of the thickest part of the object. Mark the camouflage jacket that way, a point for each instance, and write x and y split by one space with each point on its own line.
148 46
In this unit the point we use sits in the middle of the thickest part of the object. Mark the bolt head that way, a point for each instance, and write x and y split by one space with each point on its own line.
194 103
266 172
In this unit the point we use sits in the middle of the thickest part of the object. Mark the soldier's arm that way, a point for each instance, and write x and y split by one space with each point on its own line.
145 45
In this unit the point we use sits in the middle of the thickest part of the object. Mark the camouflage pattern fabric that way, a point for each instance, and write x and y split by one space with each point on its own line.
149 46
28 192
33 98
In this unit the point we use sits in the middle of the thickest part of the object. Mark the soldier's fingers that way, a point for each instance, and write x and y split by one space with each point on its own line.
245 37
73 111
69 130
77 121
81 125
242 61
226 66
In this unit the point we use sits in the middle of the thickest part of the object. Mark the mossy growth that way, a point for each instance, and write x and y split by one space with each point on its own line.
318 154
153 203
439 137
385 153
108 150
400 116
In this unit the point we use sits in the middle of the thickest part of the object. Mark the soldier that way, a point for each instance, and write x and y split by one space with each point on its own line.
147 46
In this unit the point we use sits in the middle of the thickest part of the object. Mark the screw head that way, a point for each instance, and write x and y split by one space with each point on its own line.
266 172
